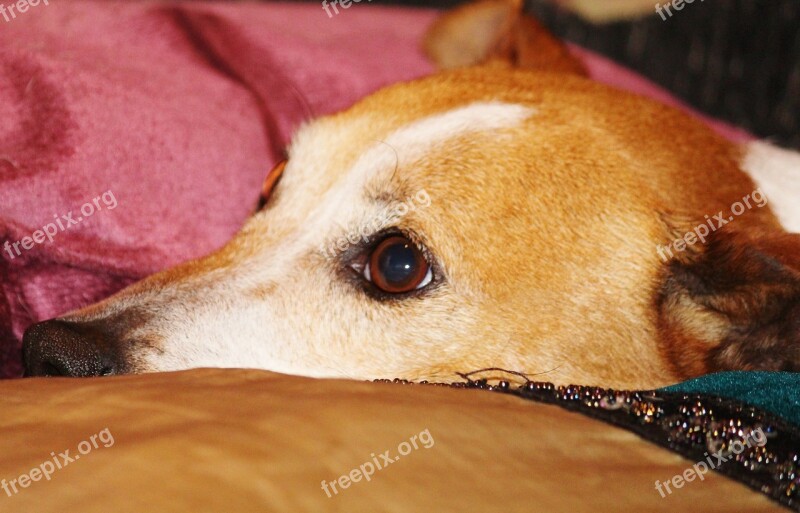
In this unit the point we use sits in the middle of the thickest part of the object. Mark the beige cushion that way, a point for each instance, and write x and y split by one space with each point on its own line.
241 441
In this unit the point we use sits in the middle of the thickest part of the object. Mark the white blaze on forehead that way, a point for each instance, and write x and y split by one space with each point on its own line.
420 135
412 141
777 172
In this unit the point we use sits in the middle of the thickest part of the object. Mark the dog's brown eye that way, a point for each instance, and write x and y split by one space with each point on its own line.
397 265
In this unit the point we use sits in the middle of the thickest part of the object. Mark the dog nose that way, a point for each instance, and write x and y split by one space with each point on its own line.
59 348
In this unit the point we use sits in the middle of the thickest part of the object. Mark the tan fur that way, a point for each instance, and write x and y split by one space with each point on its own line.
543 225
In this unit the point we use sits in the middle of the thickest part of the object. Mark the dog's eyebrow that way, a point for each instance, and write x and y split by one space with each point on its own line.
386 197
381 195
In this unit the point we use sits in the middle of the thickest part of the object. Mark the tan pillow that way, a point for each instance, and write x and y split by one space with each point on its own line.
241 441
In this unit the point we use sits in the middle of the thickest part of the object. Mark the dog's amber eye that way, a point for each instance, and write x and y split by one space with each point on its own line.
397 265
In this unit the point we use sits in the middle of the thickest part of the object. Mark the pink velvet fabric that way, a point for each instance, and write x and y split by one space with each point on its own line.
164 120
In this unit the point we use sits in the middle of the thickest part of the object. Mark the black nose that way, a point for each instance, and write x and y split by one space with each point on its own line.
58 348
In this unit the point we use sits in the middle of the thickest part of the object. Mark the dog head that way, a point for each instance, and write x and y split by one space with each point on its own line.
486 216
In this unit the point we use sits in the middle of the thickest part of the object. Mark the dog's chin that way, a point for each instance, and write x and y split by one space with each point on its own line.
161 363
165 361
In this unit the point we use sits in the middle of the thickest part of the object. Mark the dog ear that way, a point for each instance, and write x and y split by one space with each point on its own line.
733 304
270 182
491 30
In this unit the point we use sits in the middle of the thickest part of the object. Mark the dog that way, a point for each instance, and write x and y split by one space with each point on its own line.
568 230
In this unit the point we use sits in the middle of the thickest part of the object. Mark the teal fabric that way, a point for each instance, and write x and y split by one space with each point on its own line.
775 392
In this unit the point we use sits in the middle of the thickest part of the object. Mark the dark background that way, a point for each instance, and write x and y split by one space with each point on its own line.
737 60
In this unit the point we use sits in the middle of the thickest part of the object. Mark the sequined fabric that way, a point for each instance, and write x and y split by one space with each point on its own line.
703 428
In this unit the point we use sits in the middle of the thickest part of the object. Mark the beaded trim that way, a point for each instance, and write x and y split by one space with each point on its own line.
700 427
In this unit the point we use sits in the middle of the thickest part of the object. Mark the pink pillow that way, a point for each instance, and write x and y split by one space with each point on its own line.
136 135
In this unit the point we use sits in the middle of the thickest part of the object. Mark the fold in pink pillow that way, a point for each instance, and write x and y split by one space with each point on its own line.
134 136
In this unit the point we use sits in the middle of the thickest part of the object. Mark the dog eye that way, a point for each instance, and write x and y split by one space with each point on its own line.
397 265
